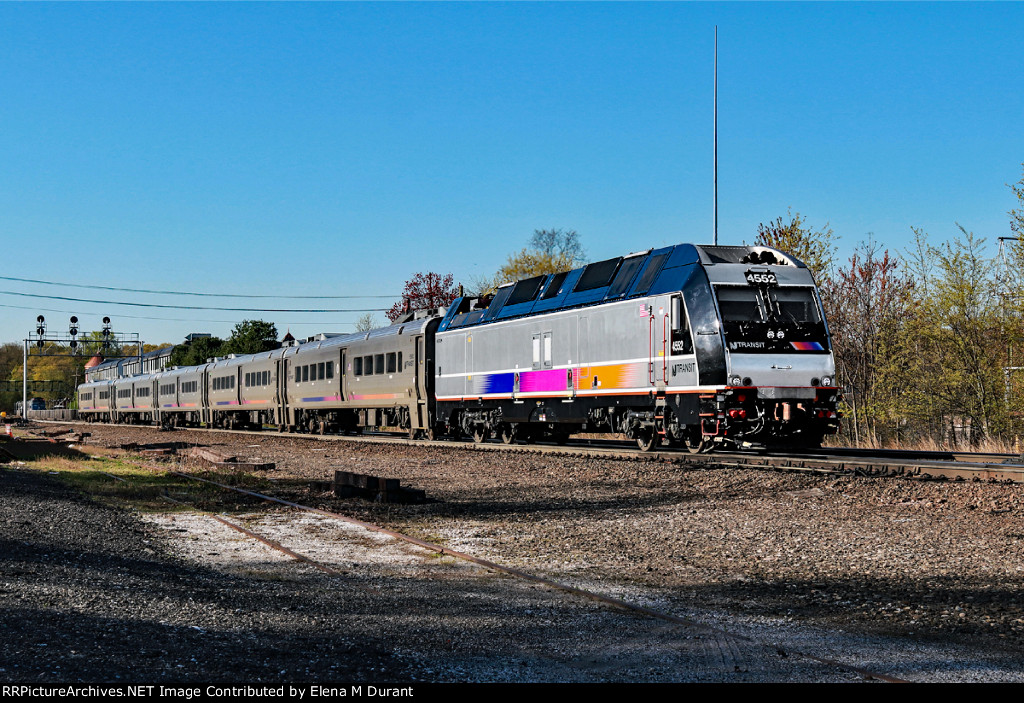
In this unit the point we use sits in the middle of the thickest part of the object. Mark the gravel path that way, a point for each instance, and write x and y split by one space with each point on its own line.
915 580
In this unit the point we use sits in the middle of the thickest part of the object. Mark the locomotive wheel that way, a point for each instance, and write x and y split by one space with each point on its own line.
508 433
480 433
322 427
694 440
647 439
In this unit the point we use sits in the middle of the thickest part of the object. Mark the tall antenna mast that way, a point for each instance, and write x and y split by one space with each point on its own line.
716 135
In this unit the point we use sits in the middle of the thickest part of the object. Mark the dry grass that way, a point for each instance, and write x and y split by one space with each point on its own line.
987 446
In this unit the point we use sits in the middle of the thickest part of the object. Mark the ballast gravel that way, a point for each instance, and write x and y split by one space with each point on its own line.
914 580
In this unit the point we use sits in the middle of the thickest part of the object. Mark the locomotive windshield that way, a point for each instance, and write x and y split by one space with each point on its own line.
771 318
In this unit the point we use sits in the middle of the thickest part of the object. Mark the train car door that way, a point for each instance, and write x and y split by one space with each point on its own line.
652 340
583 380
343 376
281 392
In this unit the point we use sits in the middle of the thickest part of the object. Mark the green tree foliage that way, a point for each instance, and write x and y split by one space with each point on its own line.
962 338
814 247
1017 214
251 337
197 351
549 251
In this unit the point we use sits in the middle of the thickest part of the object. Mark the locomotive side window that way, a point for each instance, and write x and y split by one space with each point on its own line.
555 287
682 342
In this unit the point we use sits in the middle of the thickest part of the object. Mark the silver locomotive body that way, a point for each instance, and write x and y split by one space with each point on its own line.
700 346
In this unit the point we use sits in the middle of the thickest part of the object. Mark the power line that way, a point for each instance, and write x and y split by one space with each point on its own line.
204 295
35 309
189 307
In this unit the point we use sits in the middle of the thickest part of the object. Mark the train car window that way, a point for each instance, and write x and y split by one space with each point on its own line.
378 363
536 351
399 362
330 370
555 287
795 305
368 365
597 274
740 304
305 373
358 364
321 374
392 358
267 381
525 290
298 374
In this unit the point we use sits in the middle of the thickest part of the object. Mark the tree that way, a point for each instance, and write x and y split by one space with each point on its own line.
1017 214
423 292
869 334
252 337
196 352
549 251
961 336
366 322
813 247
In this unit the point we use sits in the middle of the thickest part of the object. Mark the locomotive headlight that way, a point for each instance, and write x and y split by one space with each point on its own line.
826 380
735 381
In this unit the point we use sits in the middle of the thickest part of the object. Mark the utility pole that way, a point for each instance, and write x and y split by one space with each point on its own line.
716 135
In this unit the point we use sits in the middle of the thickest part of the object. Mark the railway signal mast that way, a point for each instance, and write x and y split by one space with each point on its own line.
109 344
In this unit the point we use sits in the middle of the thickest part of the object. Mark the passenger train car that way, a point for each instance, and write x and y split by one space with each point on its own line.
698 346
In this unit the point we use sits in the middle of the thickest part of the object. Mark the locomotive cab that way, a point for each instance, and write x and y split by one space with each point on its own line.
779 369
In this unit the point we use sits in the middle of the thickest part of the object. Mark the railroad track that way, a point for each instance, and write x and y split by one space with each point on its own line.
958 466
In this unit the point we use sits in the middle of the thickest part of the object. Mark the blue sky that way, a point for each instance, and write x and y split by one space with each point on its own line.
338 148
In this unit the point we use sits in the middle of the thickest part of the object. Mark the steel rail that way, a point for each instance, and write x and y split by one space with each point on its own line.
839 461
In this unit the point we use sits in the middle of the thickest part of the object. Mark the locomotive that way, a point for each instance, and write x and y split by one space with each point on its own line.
695 346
